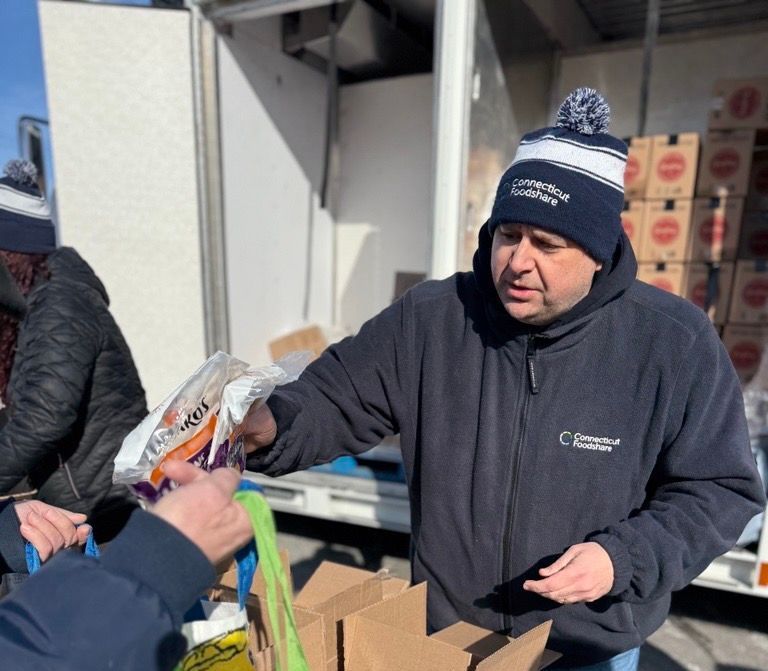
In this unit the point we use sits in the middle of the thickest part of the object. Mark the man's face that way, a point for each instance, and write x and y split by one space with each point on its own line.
538 275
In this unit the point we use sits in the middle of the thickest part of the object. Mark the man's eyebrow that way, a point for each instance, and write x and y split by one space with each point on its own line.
549 237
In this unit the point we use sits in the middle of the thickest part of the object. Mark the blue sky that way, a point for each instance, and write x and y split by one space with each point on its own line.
22 89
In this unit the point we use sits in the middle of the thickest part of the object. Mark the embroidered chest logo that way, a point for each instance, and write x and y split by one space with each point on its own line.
584 442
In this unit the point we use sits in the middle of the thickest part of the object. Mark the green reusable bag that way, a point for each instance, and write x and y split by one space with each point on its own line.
220 643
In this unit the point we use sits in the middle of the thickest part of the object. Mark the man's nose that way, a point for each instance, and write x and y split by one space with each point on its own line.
521 257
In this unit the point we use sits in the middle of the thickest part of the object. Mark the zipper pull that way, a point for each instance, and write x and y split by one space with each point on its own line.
530 359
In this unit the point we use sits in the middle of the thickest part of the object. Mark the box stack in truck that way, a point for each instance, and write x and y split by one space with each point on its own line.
696 214
736 168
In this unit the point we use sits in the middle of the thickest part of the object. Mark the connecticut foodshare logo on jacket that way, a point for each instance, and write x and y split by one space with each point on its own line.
584 442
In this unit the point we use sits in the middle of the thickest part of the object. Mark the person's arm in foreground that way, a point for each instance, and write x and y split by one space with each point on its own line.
123 611
346 401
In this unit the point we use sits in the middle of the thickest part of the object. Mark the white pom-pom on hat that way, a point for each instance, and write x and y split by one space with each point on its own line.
21 171
584 111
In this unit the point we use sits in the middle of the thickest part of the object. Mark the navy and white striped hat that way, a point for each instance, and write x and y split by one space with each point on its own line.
25 218
568 179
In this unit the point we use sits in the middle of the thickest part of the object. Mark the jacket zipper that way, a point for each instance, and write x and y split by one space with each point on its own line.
533 388
63 464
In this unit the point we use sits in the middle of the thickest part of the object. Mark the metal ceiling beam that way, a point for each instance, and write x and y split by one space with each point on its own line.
564 22
241 10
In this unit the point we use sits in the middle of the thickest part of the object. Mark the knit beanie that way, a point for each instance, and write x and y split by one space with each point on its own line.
25 219
568 179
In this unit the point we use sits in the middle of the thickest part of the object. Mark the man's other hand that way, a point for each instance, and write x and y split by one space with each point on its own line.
584 572
50 529
259 428
203 510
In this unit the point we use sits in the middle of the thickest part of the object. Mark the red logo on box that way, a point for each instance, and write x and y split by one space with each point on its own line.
755 293
745 355
761 180
663 284
758 244
744 102
699 294
714 230
665 230
724 163
632 170
671 166
629 227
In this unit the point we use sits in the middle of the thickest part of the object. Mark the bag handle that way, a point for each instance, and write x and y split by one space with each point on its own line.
33 556
278 591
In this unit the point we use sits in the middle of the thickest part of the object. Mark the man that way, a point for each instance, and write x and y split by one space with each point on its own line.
574 440
124 610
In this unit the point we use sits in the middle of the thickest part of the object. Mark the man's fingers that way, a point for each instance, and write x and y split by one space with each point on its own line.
560 563
227 479
259 428
63 525
38 539
83 532
75 518
182 472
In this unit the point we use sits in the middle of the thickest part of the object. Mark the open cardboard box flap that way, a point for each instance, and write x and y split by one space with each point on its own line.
335 591
261 639
392 634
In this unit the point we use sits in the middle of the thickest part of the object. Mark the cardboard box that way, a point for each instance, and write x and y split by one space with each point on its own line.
745 346
703 278
335 592
261 638
391 636
632 221
753 243
726 159
673 166
638 166
749 303
666 276
665 232
715 228
739 103
310 339
757 190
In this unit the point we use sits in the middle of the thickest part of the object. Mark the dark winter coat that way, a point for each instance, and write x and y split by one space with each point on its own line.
122 611
620 423
74 392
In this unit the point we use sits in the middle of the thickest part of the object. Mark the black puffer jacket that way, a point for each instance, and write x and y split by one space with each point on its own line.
74 393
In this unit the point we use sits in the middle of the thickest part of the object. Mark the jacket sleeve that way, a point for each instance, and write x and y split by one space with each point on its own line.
119 612
12 557
55 362
704 489
346 401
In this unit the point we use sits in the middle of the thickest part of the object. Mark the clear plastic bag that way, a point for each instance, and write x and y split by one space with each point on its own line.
199 421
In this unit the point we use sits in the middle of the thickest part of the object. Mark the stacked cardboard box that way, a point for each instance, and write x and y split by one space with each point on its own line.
348 619
735 166
696 214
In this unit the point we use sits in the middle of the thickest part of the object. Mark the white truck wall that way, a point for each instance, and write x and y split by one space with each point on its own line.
681 82
384 209
273 111
119 86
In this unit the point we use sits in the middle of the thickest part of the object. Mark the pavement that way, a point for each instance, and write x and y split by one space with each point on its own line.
707 630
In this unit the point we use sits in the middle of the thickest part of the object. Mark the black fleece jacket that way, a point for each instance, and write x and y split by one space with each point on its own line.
620 423
74 393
